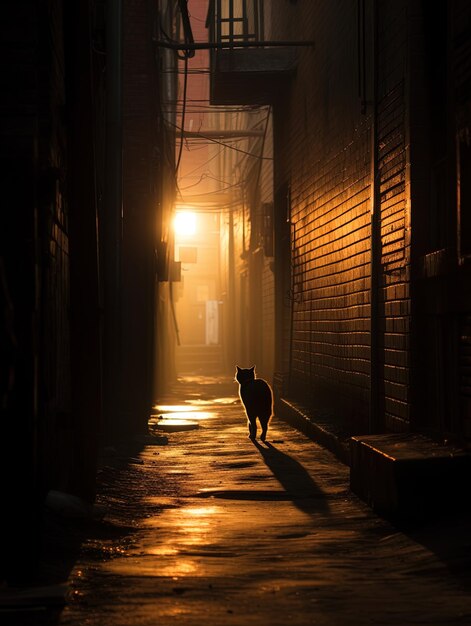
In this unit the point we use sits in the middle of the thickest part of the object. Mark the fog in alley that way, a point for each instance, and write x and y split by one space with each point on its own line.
201 195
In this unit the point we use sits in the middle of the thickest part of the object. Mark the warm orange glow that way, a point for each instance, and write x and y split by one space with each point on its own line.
201 510
185 223
184 415
173 408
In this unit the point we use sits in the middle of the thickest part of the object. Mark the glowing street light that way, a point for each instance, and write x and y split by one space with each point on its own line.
185 223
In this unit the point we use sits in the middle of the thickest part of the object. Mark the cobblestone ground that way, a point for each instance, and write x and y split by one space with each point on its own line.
213 529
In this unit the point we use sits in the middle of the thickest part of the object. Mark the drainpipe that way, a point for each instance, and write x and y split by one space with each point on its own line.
292 267
231 300
375 261
112 229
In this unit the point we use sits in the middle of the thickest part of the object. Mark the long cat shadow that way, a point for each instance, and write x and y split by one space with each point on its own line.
295 480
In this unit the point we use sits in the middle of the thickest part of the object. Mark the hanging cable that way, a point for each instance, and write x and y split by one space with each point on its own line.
221 143
262 148
182 139
189 39
174 313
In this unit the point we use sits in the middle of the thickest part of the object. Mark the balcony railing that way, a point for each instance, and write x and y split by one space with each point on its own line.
246 68
234 21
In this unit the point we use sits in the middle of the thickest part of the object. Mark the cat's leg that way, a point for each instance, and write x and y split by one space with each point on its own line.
252 423
264 419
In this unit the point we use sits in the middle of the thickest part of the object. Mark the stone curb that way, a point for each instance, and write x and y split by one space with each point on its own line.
299 418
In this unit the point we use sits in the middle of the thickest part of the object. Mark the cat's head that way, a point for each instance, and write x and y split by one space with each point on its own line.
243 375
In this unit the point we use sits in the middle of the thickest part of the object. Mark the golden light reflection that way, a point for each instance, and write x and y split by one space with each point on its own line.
228 400
180 568
195 540
201 510
174 422
190 526
152 567
162 551
201 415
194 523
183 534
174 408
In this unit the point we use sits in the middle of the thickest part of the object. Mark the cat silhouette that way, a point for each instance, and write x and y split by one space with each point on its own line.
257 398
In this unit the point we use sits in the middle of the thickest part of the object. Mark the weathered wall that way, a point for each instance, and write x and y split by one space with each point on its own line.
323 148
322 155
262 254
143 154
50 369
55 283
394 300
440 96
35 246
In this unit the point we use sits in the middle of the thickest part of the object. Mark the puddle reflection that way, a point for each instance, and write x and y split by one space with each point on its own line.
201 510
162 551
183 415
172 408
197 415
226 400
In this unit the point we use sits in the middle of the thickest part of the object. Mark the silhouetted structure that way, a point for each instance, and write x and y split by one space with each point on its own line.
371 296
87 175
371 255
345 253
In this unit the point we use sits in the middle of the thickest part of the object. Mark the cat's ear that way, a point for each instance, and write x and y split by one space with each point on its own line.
237 368
252 369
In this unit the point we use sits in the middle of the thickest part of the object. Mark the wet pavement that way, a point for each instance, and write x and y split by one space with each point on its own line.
205 527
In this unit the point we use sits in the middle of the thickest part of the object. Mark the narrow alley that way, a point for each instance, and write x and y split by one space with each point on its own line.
196 188
207 527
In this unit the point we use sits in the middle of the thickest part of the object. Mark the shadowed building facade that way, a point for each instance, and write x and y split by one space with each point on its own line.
372 298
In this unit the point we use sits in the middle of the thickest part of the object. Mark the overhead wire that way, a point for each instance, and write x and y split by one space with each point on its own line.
185 86
212 140
205 163
201 106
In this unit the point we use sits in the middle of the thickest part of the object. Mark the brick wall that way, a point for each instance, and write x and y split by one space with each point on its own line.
267 281
323 155
54 225
35 274
36 248
395 220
